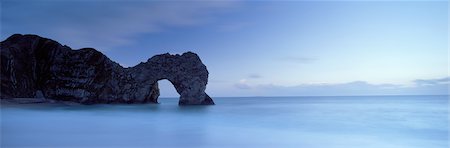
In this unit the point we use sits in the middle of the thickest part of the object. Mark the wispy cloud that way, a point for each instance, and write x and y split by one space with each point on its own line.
103 25
242 84
235 26
423 87
428 82
299 59
254 76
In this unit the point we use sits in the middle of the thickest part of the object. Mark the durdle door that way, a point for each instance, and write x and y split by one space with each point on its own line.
35 67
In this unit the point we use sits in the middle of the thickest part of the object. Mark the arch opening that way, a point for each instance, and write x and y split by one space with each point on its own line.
167 92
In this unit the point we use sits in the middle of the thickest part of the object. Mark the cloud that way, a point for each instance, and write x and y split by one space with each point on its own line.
431 87
103 25
425 82
299 59
235 26
242 84
254 76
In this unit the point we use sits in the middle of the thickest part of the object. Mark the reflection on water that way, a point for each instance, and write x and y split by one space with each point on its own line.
309 122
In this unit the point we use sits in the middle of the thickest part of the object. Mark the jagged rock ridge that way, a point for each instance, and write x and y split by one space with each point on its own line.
32 66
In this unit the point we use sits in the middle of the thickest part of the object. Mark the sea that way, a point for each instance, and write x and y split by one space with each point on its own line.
235 122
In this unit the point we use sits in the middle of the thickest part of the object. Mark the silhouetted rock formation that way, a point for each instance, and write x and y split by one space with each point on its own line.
36 67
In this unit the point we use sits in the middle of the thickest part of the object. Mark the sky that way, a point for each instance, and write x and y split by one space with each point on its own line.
260 48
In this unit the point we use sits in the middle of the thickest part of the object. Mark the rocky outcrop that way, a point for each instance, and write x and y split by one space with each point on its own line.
36 67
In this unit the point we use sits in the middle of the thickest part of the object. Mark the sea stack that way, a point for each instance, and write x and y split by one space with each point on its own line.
36 67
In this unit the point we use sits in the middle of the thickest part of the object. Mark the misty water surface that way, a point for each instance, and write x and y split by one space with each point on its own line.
307 122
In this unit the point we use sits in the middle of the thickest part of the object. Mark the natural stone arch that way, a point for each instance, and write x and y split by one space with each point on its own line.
186 72
32 64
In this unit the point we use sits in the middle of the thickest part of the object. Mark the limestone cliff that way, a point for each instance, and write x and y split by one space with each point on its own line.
32 66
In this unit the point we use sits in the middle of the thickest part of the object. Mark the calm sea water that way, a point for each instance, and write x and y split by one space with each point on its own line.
298 122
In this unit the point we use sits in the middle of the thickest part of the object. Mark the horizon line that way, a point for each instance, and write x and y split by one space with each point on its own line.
320 96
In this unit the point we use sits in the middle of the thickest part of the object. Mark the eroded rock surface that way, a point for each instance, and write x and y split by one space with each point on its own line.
36 67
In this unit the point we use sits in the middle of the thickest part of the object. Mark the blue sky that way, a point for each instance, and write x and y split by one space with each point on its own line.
254 48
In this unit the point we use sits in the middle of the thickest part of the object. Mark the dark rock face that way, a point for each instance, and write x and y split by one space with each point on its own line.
36 67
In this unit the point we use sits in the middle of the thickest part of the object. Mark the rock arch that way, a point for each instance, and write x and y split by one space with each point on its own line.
186 72
32 64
